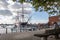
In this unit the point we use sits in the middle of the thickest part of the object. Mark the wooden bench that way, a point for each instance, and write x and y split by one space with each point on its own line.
54 32
42 35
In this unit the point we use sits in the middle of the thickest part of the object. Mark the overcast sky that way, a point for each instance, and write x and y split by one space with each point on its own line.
37 17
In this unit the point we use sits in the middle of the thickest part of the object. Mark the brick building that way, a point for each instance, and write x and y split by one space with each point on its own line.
54 19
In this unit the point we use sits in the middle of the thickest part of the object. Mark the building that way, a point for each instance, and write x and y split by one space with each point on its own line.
29 27
42 26
54 22
6 28
54 19
26 28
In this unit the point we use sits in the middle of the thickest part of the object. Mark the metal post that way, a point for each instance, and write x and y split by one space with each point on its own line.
22 16
6 31
22 13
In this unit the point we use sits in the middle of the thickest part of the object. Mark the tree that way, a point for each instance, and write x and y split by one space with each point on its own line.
47 5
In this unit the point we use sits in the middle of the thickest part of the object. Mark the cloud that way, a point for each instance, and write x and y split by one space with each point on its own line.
15 6
6 19
12 12
3 3
10 2
5 12
27 5
18 5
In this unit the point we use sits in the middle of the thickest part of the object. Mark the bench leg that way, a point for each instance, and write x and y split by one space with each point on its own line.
57 36
44 38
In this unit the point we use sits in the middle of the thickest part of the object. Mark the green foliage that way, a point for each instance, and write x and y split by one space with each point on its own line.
14 0
21 1
44 3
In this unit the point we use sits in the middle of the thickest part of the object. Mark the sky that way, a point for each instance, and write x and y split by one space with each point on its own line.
37 17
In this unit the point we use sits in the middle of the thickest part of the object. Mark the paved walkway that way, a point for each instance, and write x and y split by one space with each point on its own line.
22 36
